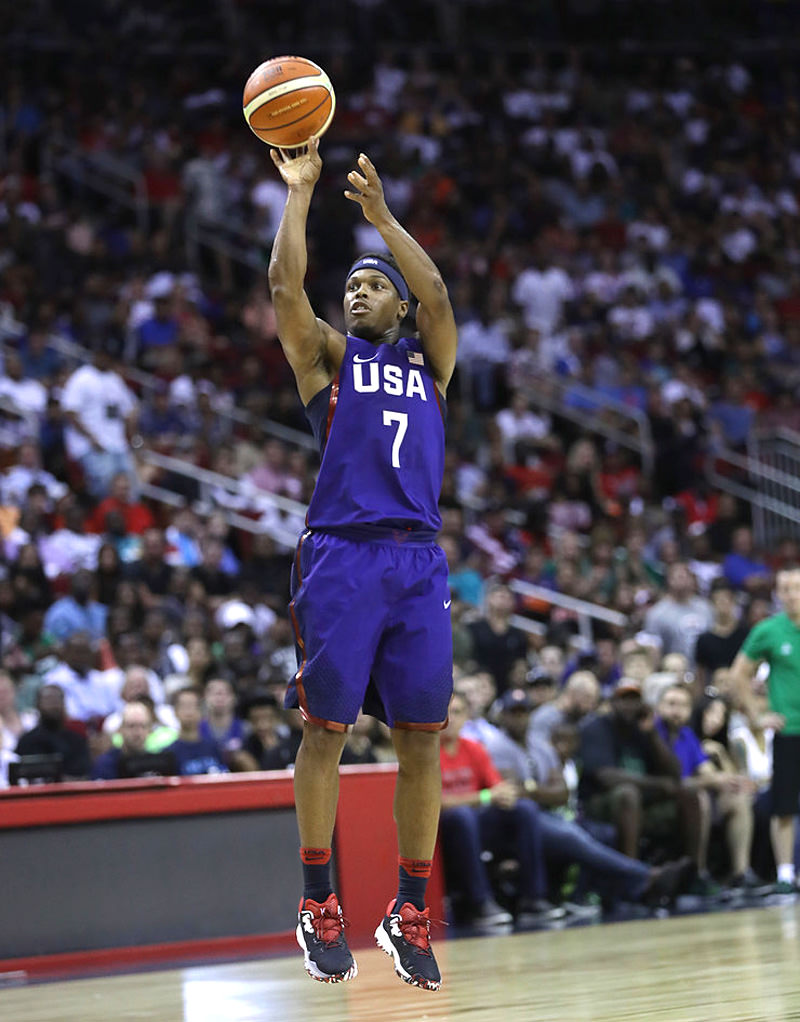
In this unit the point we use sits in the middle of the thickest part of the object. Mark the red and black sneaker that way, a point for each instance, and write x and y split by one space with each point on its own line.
320 933
405 936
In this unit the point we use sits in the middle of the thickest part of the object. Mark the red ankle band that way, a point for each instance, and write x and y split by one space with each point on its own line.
416 867
315 856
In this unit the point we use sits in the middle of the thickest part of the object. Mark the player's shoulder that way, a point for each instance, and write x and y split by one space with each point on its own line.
766 629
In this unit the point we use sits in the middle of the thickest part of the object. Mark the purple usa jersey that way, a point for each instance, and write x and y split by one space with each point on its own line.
380 427
370 599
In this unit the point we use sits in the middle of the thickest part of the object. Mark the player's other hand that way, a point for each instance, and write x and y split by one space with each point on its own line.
369 190
299 167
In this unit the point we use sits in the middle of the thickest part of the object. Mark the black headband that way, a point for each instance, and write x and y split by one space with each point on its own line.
376 263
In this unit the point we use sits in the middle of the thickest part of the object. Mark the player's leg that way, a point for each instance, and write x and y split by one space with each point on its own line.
316 794
413 672
404 933
320 923
333 618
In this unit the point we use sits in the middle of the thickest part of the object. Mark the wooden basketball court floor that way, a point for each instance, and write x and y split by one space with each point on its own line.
702 968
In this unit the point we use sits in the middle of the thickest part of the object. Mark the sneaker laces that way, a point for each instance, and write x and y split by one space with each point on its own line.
328 926
416 929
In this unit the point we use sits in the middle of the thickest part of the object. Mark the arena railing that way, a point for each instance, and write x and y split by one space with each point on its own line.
766 476
585 611
596 413
280 517
104 173
78 355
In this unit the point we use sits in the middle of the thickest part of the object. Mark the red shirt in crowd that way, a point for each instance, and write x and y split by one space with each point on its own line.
137 516
468 769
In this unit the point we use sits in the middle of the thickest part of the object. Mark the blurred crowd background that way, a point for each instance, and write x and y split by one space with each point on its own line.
614 208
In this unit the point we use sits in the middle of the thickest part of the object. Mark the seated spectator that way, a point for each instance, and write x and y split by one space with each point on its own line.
67 549
108 573
680 616
742 568
221 724
551 660
463 579
751 749
151 573
136 687
54 735
13 723
577 702
136 516
717 647
89 694
78 612
193 753
483 813
541 688
216 582
26 472
496 642
269 743
534 767
729 789
632 779
358 745
134 729
26 395
161 423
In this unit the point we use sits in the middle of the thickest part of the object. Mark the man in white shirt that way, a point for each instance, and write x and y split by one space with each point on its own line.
26 401
88 692
541 291
15 483
101 414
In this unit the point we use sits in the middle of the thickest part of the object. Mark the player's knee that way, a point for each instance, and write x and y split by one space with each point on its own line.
416 750
322 743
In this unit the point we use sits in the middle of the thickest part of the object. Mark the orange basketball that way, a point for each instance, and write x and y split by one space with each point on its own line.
287 100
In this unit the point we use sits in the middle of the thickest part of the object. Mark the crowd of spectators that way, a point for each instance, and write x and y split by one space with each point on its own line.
619 229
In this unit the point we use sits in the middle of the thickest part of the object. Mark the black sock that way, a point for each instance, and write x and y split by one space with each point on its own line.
316 873
413 877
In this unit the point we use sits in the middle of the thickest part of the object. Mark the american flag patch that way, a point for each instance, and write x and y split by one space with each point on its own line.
415 358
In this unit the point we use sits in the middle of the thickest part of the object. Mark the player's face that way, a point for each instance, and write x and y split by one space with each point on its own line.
372 305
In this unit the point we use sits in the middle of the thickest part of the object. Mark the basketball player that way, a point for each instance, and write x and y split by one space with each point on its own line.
776 641
370 601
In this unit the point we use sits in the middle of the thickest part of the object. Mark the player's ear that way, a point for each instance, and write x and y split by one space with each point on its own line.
402 311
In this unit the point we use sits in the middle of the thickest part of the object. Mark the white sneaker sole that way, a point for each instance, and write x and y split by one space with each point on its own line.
314 972
385 944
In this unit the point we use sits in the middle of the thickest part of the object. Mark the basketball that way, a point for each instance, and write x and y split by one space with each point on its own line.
287 100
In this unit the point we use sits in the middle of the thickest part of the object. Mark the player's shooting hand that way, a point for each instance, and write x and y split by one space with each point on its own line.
299 168
369 194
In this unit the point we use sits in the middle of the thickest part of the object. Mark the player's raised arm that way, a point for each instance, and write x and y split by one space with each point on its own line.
304 338
435 320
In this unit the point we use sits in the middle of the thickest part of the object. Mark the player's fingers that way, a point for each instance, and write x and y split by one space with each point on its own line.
276 157
353 196
357 180
365 162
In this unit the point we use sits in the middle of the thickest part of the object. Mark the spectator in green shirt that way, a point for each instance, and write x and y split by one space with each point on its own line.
776 642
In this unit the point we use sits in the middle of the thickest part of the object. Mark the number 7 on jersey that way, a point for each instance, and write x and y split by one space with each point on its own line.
401 418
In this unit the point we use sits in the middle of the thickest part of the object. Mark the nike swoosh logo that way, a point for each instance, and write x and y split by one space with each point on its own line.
358 358
446 603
